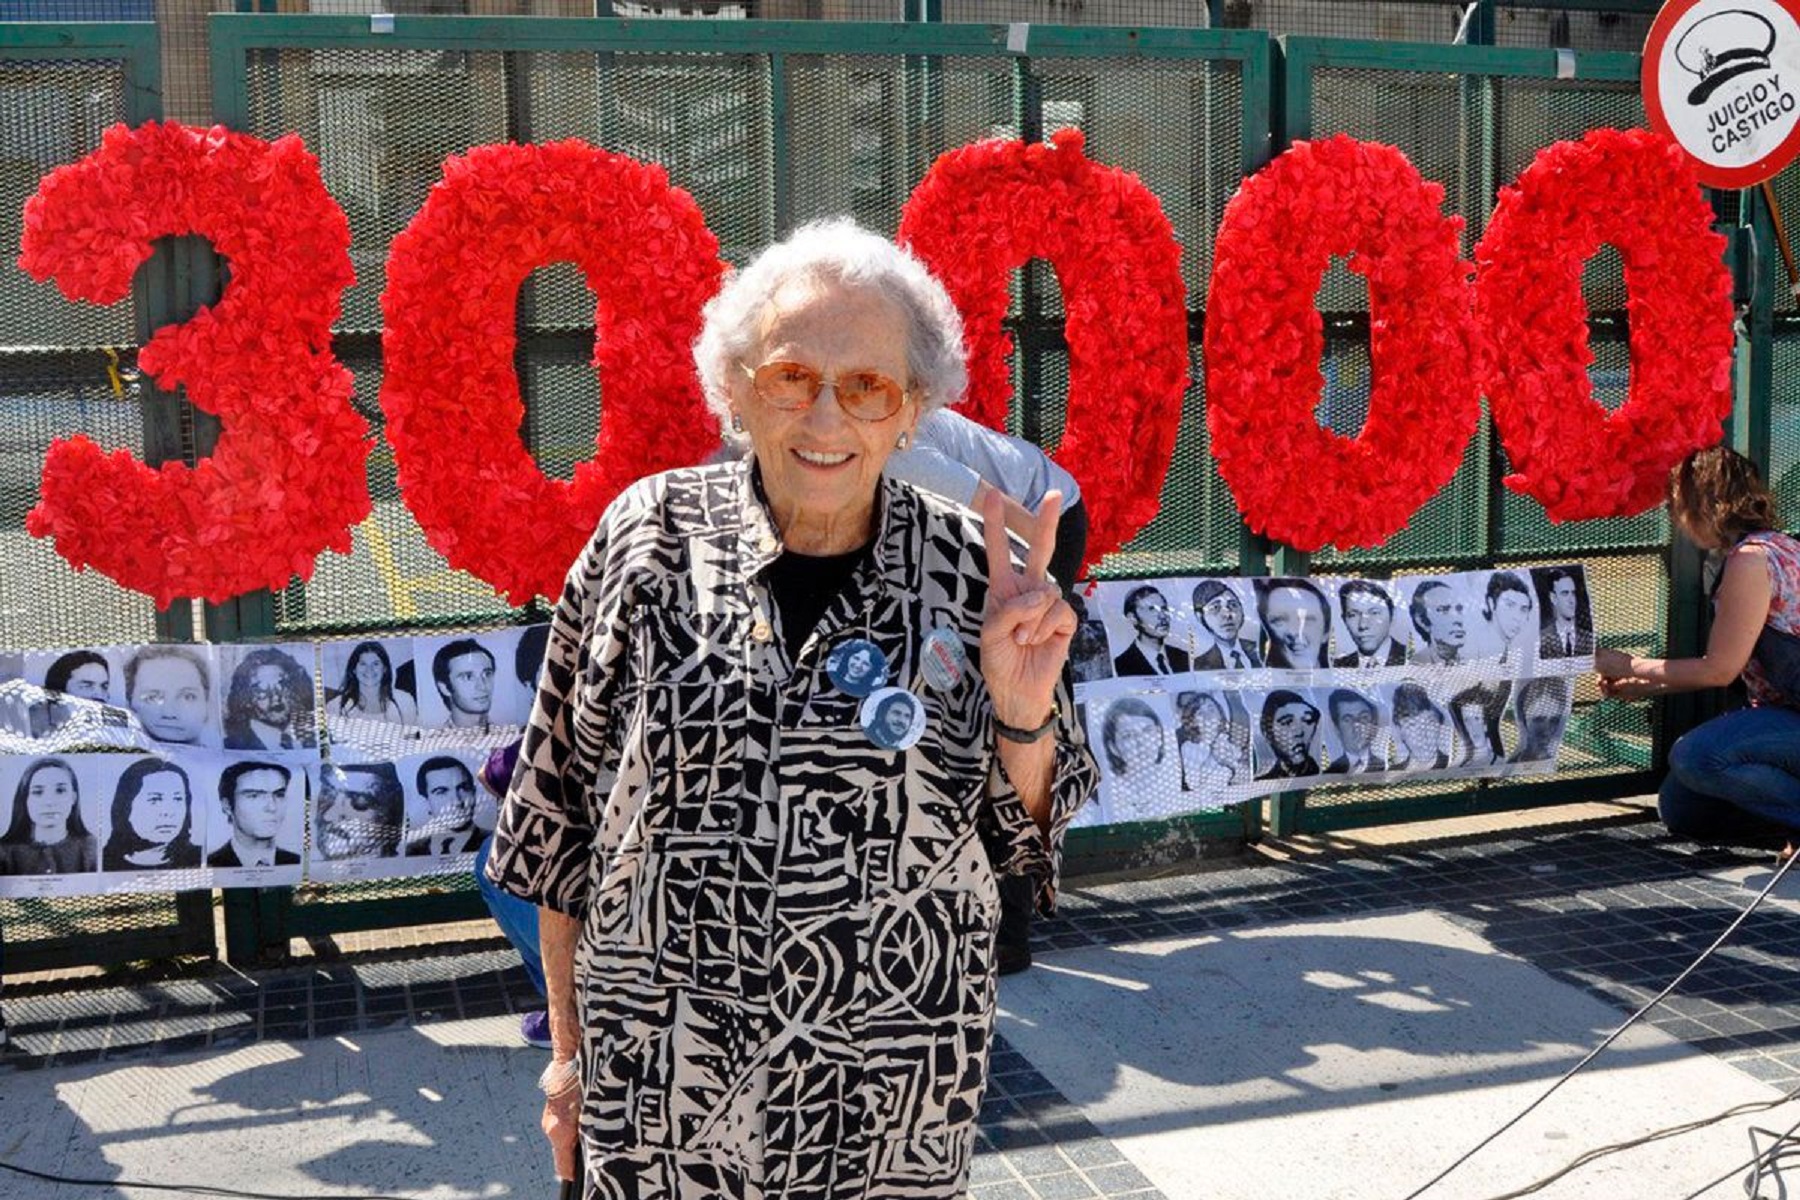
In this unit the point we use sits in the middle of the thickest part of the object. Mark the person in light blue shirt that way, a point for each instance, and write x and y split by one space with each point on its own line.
962 459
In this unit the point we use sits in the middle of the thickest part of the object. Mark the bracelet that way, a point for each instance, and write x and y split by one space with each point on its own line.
1013 733
559 1077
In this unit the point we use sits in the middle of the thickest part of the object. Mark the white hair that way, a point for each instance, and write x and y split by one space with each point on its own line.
839 251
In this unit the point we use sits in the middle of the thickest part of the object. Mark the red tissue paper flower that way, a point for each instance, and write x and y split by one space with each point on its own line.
1295 480
449 390
1634 189
983 210
287 477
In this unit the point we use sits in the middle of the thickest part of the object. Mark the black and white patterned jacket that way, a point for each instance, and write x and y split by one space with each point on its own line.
786 959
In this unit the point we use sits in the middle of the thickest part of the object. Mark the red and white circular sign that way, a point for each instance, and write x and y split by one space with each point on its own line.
1722 78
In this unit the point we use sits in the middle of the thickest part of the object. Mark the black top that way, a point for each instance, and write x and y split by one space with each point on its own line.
803 587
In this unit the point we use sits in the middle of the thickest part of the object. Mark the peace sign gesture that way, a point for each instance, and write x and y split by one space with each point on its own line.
1026 630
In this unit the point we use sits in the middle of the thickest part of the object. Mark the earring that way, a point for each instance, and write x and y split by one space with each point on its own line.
905 440
737 423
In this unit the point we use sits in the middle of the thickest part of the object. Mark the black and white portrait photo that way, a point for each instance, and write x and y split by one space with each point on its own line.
261 814
1364 636
80 688
1224 638
170 689
1475 718
359 813
1296 623
1421 729
1360 732
443 804
50 825
1290 743
1212 739
892 718
1439 612
1135 745
470 683
1149 620
269 698
364 681
1566 620
1508 627
155 821
1541 711
1090 658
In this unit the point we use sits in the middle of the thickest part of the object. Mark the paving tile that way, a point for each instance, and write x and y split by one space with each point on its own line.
1118 1178
1043 1160
1067 1186
1000 1191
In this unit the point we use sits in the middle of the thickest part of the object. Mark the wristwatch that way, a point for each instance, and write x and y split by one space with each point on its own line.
1013 733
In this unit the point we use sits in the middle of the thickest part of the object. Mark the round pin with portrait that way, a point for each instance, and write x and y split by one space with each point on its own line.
944 661
857 666
893 718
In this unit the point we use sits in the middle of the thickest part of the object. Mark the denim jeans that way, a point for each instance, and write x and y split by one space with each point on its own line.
518 919
1736 778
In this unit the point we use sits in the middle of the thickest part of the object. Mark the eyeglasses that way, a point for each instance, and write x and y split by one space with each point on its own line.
792 386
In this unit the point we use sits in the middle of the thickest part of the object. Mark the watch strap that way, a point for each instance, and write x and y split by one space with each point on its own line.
1013 733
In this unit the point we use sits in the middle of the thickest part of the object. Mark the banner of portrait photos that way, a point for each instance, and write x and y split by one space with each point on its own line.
1201 693
164 767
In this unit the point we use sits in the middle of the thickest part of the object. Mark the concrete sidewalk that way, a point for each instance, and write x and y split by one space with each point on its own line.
1343 1023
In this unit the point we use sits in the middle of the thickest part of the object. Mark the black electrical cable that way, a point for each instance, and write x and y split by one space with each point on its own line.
1755 1164
1614 1036
1672 1131
192 1189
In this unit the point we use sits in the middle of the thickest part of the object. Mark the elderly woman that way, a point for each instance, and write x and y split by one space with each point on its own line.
783 929
1736 776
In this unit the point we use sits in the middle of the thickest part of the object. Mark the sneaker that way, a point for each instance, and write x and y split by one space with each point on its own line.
534 1029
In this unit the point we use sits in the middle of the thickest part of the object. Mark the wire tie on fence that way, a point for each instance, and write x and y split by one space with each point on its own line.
1018 36
112 373
1565 63
381 22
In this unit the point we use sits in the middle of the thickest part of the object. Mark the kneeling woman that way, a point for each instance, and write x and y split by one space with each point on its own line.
1736 776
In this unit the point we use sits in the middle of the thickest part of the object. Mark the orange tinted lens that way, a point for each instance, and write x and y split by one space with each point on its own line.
868 395
787 384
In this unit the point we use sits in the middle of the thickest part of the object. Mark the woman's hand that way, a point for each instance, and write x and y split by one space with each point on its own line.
561 1124
1629 689
1612 664
1026 631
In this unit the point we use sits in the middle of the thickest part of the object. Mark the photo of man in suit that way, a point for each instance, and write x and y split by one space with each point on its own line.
1438 615
1567 622
1368 613
1296 623
254 798
1147 609
269 705
1358 724
1221 614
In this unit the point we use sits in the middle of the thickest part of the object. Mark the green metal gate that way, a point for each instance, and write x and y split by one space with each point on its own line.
1472 118
61 86
768 124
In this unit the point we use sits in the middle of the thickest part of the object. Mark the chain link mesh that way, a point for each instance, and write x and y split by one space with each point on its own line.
1475 521
58 381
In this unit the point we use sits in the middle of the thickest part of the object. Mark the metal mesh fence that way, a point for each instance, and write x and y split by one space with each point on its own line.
1784 428
56 380
1500 124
